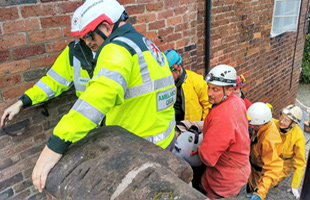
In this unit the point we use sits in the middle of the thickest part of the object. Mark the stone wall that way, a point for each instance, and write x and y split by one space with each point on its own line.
112 163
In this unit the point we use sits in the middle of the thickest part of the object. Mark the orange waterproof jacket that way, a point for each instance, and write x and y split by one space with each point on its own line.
293 154
225 149
267 165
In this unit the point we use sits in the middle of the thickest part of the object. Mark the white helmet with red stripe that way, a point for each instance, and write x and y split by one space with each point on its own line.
96 11
75 22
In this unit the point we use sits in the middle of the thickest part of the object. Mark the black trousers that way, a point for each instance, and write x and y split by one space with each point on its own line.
196 182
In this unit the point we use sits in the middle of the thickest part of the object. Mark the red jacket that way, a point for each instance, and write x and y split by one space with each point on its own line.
225 149
247 102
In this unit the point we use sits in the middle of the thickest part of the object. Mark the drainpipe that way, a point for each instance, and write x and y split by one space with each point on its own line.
207 36
292 71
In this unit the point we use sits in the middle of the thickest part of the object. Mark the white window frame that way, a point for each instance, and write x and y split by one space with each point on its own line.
273 33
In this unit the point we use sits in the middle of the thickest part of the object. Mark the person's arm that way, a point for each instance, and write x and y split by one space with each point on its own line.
57 80
104 91
299 159
44 164
201 89
11 111
218 136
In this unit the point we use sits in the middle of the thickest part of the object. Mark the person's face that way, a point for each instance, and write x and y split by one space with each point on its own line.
237 92
255 127
93 40
215 93
176 72
285 121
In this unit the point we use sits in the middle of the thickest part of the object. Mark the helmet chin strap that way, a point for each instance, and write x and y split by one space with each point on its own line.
104 37
223 99
99 32
285 130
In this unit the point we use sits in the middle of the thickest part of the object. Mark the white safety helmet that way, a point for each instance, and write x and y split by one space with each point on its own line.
96 11
293 112
75 22
222 75
186 146
259 113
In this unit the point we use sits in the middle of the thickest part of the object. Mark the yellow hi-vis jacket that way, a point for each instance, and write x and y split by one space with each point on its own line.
195 101
66 71
293 154
266 164
132 87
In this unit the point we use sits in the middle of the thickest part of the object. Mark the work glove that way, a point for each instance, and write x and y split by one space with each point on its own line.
295 192
253 196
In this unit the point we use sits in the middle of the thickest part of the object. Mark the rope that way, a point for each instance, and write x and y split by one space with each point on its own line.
308 108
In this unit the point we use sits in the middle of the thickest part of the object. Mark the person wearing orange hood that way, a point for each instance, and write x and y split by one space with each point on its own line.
266 147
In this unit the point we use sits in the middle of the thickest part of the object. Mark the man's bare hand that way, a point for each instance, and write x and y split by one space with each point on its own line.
47 160
11 111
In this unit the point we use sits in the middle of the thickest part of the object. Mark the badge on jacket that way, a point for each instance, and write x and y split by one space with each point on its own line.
155 51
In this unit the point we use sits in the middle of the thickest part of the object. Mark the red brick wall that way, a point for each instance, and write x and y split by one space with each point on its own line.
240 36
34 32
176 24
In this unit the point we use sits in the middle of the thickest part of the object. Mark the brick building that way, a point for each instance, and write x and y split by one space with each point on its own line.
34 32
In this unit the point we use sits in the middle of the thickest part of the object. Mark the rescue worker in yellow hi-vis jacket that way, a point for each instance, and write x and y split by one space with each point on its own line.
266 147
72 67
132 87
293 140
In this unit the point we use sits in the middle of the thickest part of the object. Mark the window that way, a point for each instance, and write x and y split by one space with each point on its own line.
285 16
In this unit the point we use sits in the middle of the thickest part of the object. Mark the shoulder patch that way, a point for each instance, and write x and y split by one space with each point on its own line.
155 51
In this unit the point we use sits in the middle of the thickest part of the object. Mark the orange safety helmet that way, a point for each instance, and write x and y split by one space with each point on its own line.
240 81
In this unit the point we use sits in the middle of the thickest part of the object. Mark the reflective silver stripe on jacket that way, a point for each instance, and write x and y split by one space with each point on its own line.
162 136
77 74
114 75
61 80
148 85
144 70
88 111
46 89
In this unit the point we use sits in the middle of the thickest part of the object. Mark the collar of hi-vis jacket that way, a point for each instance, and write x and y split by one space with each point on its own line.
118 32
83 53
